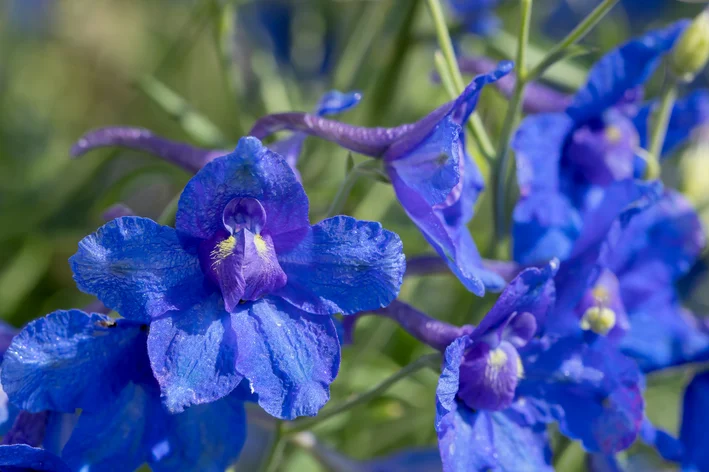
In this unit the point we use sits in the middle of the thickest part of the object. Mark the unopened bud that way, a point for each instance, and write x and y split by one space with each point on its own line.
691 52
694 167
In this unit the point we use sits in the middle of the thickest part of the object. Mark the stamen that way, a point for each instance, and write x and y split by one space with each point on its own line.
613 134
223 250
260 244
600 320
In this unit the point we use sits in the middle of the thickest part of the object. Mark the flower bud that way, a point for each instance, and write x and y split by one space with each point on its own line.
691 52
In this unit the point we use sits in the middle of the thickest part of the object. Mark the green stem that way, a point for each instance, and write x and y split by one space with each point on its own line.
348 184
511 118
444 41
429 360
659 130
572 38
276 450
167 217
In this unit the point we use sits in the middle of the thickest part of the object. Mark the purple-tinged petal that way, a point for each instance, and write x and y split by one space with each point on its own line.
593 391
532 291
693 431
604 154
193 354
437 334
622 69
538 98
188 157
606 294
289 357
689 112
70 360
489 376
251 171
335 255
138 268
469 266
24 458
538 145
449 381
28 428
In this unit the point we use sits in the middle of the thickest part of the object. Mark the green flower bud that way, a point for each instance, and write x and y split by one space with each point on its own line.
694 167
691 52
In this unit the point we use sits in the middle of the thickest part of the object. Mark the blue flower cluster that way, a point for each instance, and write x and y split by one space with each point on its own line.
240 302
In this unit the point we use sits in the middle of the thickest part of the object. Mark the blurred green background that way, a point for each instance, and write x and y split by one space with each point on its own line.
202 71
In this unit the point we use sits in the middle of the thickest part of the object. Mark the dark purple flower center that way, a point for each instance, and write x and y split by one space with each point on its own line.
241 258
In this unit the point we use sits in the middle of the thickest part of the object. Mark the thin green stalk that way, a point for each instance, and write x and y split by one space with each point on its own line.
167 217
576 35
276 450
429 360
659 129
514 112
365 168
444 42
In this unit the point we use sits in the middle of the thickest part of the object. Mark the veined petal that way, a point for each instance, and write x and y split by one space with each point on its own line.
250 171
593 391
336 255
138 268
193 354
188 157
622 69
290 357
70 360
23 458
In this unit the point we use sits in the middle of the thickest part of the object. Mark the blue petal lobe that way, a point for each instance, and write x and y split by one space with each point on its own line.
250 171
70 360
24 458
290 357
193 355
138 268
336 255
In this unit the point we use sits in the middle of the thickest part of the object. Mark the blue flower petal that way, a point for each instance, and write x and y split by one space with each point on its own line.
119 436
538 144
289 357
623 69
138 268
546 226
693 433
250 171
492 441
193 355
449 381
593 391
688 112
24 458
208 438
70 360
431 167
663 334
337 254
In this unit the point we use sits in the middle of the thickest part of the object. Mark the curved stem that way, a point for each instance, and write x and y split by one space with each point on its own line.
513 113
572 38
444 41
659 130
276 450
429 360
348 184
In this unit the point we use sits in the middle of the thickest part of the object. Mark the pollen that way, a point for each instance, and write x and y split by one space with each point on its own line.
497 358
600 294
223 250
260 244
600 320
520 369
613 134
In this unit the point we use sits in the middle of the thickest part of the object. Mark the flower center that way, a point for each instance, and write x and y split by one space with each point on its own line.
598 319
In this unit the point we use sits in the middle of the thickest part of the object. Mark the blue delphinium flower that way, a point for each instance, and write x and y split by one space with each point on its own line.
623 285
433 176
192 158
566 161
503 380
71 360
244 287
